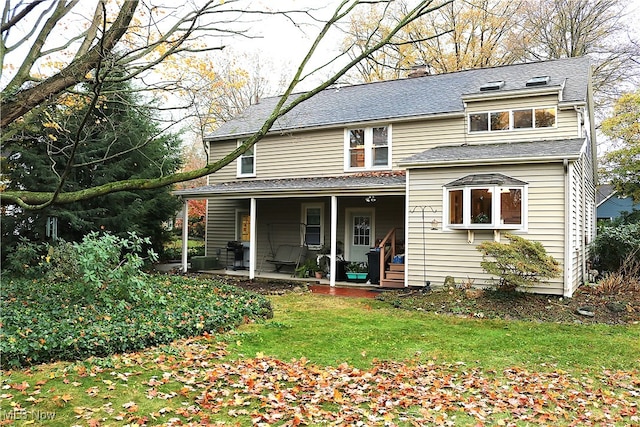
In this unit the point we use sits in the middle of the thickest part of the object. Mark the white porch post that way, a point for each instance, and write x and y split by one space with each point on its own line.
253 249
334 243
185 235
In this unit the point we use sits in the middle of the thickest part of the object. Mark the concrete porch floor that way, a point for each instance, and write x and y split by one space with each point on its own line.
320 286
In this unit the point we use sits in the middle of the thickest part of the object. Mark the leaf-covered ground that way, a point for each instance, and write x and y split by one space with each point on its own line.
191 383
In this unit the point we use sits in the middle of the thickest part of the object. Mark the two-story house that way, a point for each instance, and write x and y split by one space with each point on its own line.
423 169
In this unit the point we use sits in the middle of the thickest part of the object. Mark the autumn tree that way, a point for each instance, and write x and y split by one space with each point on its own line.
218 88
458 36
485 33
622 163
552 29
194 158
215 90
136 37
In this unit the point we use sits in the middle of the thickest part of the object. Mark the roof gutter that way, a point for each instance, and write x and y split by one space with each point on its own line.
493 161
276 193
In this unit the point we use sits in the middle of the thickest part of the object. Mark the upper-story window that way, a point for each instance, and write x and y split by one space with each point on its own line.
247 162
485 201
524 118
368 148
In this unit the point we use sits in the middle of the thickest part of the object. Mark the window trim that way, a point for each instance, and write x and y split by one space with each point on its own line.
239 173
468 224
511 127
304 209
369 148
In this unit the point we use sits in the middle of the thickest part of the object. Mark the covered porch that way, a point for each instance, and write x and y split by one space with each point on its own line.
333 221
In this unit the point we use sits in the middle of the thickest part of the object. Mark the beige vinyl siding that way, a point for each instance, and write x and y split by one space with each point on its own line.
514 103
278 223
321 153
448 253
218 151
221 224
582 203
389 214
566 121
307 154
414 137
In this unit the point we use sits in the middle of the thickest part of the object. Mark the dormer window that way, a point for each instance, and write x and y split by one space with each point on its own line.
368 148
526 118
485 201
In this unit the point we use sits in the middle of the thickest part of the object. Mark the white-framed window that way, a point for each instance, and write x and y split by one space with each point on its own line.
504 120
485 202
368 148
247 162
313 220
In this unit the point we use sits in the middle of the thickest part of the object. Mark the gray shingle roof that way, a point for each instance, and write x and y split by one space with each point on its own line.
555 149
485 179
363 181
410 97
603 192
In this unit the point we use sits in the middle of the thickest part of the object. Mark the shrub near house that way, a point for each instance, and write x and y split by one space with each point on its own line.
519 263
108 305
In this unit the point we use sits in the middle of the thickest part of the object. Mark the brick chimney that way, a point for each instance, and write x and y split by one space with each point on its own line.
419 70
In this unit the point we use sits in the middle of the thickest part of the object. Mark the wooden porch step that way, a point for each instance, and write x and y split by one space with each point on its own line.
396 267
394 275
392 283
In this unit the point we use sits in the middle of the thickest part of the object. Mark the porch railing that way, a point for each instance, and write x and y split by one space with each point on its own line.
387 249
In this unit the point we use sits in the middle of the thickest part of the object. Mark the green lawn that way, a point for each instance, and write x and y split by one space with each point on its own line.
402 368
329 330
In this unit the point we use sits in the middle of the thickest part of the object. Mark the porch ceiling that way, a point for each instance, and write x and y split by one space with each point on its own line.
391 183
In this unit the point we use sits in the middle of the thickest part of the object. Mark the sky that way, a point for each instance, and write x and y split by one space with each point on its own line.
286 44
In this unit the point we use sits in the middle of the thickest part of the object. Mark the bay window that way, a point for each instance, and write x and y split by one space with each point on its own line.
485 201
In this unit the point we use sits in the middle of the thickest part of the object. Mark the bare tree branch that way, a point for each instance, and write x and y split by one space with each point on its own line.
30 200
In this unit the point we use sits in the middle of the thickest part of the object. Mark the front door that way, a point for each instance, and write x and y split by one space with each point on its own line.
360 232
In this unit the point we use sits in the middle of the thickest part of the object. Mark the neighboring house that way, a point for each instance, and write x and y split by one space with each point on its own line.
610 204
431 166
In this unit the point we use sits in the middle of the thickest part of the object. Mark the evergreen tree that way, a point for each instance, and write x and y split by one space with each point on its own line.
119 123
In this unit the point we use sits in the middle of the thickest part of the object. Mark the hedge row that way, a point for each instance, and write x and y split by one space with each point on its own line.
41 322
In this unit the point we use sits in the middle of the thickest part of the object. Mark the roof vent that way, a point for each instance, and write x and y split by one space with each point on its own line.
537 81
492 86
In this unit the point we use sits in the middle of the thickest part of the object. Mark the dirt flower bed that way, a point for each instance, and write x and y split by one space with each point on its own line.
586 306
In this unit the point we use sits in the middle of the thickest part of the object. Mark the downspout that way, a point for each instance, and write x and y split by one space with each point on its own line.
185 235
567 229
583 242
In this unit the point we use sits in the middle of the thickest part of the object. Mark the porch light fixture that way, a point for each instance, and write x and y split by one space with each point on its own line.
370 199
434 224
